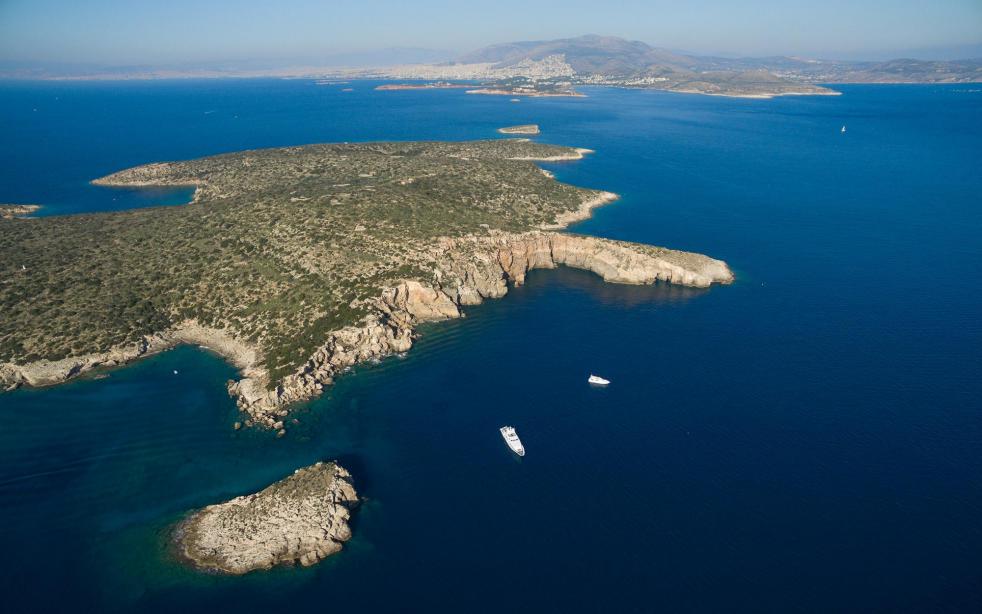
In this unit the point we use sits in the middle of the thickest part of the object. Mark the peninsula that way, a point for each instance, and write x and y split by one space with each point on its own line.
298 262
300 519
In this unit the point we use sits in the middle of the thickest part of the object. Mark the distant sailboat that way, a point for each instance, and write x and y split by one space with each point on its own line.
843 131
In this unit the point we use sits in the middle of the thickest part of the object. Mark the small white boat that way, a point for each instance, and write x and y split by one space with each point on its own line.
175 371
511 438
843 130
599 381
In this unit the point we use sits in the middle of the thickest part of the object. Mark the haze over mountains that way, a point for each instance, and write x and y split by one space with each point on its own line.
555 66
612 56
589 54
589 59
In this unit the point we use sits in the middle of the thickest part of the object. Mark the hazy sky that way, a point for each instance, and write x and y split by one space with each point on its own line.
166 31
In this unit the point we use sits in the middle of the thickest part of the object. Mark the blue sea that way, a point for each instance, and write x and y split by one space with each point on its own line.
807 439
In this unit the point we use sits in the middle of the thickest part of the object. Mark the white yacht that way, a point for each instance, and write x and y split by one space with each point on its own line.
511 438
596 379
843 129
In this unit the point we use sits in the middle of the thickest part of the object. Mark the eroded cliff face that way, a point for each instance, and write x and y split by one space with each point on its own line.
300 519
467 271
470 270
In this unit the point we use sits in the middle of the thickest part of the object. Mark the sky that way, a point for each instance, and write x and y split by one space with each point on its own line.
132 32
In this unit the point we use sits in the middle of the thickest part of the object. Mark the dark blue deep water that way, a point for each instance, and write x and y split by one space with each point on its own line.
807 439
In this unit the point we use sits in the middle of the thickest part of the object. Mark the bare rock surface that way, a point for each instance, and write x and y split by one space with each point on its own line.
300 519
9 212
522 129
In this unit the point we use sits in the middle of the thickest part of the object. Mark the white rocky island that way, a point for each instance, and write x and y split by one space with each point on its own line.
300 519
522 129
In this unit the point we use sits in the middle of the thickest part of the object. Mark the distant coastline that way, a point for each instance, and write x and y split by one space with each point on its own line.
756 96
555 68
440 85
491 91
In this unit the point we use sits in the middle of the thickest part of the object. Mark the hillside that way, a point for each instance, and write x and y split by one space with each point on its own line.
607 60
298 262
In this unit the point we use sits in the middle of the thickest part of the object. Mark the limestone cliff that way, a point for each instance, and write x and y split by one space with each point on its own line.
300 519
469 270
472 269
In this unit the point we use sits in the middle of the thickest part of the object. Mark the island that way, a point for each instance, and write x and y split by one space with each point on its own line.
532 92
11 211
296 263
300 519
523 129
438 85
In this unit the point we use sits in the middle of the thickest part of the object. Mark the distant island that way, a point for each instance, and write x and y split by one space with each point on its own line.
438 85
296 263
533 91
523 129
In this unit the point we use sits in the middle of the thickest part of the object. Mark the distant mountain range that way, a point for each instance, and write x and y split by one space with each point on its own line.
556 67
616 57
587 55
616 61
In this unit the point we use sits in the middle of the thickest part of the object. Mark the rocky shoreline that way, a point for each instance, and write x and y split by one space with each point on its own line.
9 212
51 372
493 91
522 129
472 269
475 269
301 519
755 96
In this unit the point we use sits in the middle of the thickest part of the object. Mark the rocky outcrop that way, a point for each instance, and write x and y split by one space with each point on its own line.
156 174
523 129
470 270
582 212
9 212
577 154
300 519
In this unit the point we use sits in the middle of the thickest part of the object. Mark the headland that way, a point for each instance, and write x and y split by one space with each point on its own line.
296 263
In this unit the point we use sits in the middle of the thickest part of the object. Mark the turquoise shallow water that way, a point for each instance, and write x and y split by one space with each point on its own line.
807 439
